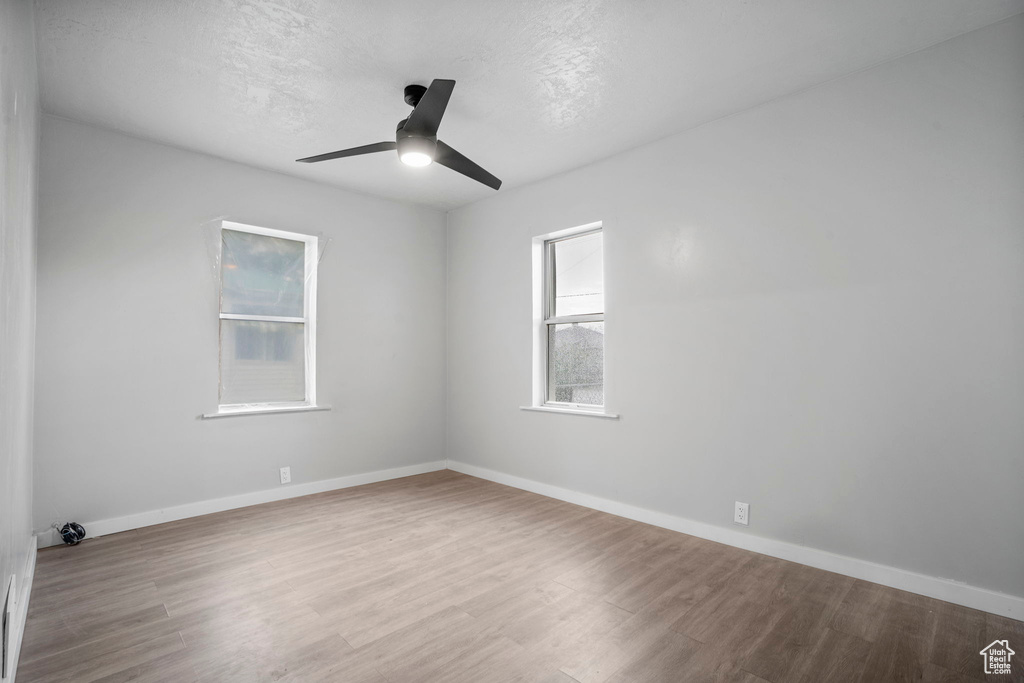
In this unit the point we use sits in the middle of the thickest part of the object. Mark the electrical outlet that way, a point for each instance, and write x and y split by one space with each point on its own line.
286 475
741 514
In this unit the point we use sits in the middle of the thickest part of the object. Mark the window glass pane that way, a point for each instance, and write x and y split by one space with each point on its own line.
579 275
576 363
262 362
261 275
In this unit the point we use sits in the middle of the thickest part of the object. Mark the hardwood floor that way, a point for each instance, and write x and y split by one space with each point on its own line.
444 577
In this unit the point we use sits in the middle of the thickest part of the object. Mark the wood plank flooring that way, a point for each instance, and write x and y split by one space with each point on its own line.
444 577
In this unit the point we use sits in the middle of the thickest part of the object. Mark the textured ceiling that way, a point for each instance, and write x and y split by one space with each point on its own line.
543 86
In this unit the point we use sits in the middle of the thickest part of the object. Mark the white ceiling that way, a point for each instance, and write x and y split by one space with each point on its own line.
543 85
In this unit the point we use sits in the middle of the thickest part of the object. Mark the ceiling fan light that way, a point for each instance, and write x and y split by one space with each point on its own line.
416 159
415 150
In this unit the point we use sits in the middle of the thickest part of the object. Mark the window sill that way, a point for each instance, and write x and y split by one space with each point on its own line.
264 410
571 411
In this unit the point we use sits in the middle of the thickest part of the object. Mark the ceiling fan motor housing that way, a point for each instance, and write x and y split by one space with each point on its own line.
408 142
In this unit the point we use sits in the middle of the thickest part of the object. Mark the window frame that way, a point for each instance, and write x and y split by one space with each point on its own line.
308 321
544 318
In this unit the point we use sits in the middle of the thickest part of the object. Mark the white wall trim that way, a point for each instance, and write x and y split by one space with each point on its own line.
204 507
24 588
922 584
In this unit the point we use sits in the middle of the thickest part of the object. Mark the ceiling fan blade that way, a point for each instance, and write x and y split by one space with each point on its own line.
426 117
354 151
446 156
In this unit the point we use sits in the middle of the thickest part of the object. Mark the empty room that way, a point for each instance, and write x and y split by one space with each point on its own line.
542 341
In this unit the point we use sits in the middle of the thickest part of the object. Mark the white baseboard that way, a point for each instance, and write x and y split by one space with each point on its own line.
24 588
922 584
138 520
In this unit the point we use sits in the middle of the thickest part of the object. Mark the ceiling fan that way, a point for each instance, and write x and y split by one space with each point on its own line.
416 137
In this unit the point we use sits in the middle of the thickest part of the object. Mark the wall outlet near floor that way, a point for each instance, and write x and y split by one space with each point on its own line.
286 475
742 514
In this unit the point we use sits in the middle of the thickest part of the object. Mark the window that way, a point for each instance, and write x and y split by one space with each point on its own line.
267 319
570 334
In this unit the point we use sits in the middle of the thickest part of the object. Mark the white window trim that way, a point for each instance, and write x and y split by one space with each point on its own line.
309 327
570 411
543 304
263 409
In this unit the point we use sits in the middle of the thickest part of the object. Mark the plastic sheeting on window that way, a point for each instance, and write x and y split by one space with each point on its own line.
263 361
211 230
261 275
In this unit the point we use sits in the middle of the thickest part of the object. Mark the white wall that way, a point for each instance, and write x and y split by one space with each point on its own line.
19 149
127 335
814 306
